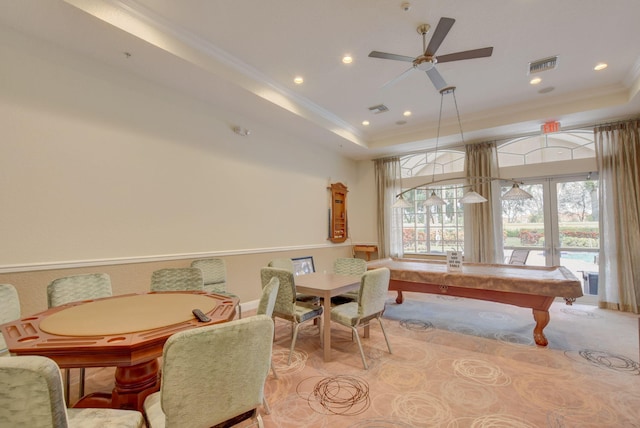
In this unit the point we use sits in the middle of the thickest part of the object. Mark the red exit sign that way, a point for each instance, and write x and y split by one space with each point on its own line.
550 127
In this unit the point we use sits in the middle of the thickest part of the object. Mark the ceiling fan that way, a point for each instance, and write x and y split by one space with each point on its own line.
426 62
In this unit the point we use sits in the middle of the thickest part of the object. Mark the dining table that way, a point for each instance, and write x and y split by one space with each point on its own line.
127 332
326 286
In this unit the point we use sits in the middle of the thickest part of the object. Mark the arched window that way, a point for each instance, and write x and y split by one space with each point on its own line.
432 229
559 225
435 229
423 164
560 146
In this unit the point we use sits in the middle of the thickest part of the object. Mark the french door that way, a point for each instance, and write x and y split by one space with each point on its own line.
559 226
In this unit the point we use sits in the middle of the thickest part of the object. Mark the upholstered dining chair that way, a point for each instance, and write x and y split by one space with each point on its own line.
348 266
287 307
9 309
287 264
213 374
268 303
76 288
214 274
518 257
177 279
31 396
282 263
370 305
265 307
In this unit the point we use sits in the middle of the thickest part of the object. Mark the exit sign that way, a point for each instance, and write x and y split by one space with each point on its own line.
550 127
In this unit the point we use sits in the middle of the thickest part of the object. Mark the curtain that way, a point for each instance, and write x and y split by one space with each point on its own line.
482 221
618 156
388 185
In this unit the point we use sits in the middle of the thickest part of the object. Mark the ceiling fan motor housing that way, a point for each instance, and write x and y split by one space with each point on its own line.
425 62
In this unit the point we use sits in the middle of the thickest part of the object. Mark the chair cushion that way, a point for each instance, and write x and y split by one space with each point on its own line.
307 298
97 418
304 313
346 314
217 289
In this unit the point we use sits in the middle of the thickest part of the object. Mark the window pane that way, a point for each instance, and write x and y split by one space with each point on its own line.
578 214
433 229
523 221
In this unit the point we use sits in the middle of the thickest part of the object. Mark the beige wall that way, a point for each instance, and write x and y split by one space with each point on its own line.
243 275
102 171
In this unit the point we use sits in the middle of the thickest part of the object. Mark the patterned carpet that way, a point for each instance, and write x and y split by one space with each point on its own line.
460 363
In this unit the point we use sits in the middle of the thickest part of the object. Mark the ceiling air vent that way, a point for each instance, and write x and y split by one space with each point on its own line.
543 64
380 108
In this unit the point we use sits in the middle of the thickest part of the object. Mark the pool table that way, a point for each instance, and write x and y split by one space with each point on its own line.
533 287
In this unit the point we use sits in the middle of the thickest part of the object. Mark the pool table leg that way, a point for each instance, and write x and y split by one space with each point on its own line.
542 319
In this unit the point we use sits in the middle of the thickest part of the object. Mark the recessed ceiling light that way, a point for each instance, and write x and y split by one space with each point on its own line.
600 66
407 113
535 80
347 59
365 122
298 80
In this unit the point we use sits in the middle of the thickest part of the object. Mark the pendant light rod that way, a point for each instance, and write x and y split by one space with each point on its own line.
481 179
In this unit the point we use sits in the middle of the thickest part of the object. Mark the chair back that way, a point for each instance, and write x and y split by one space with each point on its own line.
228 363
9 303
349 266
177 279
519 257
286 297
214 273
268 298
372 295
31 393
9 309
282 263
76 288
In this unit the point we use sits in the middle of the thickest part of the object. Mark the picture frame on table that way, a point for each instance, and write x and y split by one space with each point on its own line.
303 265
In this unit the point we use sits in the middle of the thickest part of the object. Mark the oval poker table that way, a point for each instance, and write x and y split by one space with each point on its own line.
127 332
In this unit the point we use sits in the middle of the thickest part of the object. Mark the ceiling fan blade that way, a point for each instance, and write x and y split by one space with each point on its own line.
436 79
444 25
474 53
398 78
384 55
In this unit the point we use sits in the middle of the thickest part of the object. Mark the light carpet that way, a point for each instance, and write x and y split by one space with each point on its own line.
458 363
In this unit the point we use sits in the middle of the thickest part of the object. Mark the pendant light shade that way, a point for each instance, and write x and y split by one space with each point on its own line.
516 194
401 203
434 200
472 197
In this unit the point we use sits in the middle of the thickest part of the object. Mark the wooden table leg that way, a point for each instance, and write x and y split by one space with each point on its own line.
542 319
326 327
132 385
400 297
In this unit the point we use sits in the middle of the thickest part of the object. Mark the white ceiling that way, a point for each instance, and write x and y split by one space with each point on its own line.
244 54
